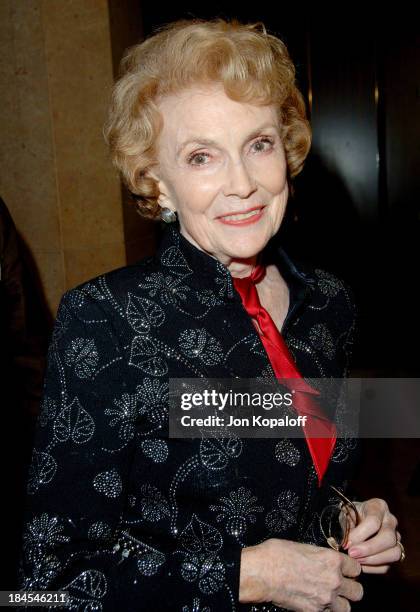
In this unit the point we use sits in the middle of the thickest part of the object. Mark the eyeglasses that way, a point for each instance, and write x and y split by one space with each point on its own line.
337 519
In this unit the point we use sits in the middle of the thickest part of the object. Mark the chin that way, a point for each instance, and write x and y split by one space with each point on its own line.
246 250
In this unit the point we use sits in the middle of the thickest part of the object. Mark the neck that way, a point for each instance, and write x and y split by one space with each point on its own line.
240 268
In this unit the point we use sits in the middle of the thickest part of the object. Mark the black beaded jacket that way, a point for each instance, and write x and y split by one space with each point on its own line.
118 514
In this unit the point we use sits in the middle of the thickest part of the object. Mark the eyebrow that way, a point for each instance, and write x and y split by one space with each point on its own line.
211 142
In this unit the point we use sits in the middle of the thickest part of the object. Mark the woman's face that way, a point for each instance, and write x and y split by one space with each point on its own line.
222 168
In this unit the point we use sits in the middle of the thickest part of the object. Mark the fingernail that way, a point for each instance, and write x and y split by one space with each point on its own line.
347 545
354 552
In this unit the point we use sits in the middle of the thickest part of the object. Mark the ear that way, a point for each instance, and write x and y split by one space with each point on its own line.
164 198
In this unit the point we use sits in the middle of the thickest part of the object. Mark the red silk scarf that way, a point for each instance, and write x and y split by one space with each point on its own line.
320 447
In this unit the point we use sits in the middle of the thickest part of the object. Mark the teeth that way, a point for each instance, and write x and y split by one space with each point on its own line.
242 216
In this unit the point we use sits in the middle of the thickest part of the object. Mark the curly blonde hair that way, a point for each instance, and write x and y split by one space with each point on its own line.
252 65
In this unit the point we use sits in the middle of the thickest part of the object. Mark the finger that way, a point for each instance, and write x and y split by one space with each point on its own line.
390 520
350 567
340 604
350 589
375 569
383 540
388 556
368 526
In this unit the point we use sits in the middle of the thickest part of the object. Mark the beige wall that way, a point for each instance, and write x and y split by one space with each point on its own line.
55 176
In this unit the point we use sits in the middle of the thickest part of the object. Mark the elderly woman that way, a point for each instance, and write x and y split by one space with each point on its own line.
208 129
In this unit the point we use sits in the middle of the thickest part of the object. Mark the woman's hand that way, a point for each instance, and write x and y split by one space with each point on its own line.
374 541
298 577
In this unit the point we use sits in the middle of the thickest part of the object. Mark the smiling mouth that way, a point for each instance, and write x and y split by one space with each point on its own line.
242 216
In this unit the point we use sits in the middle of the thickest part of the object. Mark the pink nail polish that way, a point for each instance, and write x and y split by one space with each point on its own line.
354 552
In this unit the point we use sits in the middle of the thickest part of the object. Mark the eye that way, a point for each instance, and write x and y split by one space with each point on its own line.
196 159
263 144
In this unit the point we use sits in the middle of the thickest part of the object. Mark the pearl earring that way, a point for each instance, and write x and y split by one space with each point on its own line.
167 215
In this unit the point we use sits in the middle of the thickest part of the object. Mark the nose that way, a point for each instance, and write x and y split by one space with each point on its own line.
239 181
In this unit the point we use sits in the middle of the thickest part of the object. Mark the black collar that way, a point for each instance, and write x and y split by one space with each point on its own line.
197 267
202 271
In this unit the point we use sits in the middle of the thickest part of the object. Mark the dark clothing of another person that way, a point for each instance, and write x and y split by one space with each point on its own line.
120 515
23 345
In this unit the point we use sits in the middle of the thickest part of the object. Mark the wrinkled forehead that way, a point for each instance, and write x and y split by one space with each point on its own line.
207 115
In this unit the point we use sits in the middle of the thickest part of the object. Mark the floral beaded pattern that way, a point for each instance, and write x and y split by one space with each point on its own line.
120 515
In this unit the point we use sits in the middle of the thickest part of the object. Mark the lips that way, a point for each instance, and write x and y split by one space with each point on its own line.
243 217
241 213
